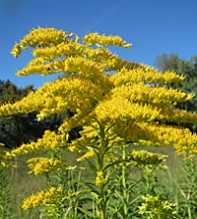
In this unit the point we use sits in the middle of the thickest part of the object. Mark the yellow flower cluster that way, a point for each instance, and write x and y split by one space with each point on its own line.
95 38
154 207
56 97
120 108
115 63
66 48
98 54
40 37
49 141
40 165
181 138
3 163
43 198
89 131
31 103
22 106
82 66
89 154
40 66
73 49
16 50
147 75
142 158
87 69
75 94
152 95
178 115
100 178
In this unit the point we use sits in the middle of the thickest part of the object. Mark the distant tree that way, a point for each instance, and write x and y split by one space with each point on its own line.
17 129
12 127
22 128
9 92
188 68
168 62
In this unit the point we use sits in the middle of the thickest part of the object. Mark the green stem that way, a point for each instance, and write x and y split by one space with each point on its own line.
189 166
102 199
124 186
189 213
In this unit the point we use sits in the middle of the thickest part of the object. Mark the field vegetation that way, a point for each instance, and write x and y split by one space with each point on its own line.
108 139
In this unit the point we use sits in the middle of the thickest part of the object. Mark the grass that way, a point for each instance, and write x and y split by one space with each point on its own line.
23 184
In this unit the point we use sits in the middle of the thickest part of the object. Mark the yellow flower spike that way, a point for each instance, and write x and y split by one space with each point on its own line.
2 164
57 97
64 48
16 50
154 207
40 66
99 54
141 74
181 138
73 49
95 38
42 198
49 141
40 37
154 95
121 108
40 165
89 132
142 157
89 154
177 115
83 66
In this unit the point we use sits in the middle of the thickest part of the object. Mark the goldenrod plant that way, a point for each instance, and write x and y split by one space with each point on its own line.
154 208
115 102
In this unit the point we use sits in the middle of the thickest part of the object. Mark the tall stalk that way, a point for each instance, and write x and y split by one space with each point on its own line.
124 186
102 211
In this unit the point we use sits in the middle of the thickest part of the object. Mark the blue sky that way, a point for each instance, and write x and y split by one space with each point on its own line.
152 26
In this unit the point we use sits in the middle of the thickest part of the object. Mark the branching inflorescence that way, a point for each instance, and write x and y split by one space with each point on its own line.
114 101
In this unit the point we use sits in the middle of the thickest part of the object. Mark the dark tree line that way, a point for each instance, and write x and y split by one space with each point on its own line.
188 68
18 129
